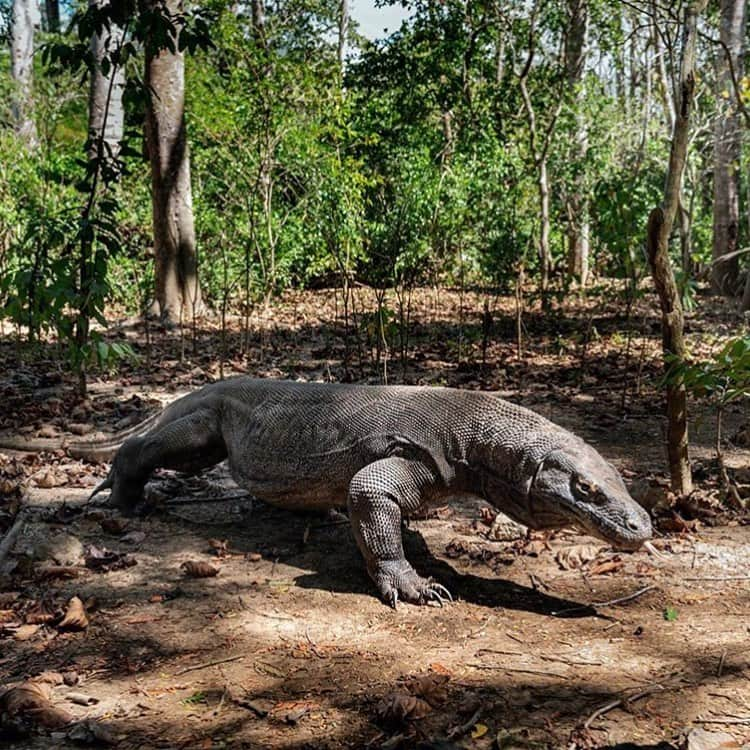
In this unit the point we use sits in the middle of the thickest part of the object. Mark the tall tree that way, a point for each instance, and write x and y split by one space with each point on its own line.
178 294
539 146
660 224
576 44
728 147
106 113
26 20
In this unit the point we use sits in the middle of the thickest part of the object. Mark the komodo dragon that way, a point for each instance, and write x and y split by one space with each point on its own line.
387 451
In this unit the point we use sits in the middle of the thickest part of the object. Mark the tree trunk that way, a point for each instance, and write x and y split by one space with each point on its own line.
25 20
105 93
178 294
660 224
545 255
575 61
727 148
343 32
52 15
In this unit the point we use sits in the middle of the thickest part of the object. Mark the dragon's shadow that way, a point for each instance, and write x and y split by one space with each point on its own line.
488 592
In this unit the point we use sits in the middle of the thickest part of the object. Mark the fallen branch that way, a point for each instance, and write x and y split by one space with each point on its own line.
464 728
542 672
611 602
624 599
621 701
725 720
208 664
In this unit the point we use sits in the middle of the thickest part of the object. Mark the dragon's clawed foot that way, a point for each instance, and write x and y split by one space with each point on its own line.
396 579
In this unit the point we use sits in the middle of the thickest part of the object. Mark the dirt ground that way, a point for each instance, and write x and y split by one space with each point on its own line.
554 641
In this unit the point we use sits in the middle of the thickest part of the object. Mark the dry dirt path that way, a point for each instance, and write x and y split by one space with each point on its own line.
290 628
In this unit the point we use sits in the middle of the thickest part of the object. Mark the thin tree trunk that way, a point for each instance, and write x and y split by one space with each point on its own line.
539 148
575 61
103 46
52 15
177 291
343 32
660 225
26 20
727 148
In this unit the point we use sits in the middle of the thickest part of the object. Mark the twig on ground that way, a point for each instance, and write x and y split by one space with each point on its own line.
478 631
313 645
722 659
611 602
624 599
208 664
719 578
464 728
543 672
621 701
725 720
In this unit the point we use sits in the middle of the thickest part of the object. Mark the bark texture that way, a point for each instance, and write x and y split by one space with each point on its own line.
26 19
177 291
660 224
106 114
727 148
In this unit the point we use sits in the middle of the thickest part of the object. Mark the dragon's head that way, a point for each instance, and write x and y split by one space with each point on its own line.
577 486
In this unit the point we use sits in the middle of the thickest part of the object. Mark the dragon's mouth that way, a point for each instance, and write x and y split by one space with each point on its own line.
618 534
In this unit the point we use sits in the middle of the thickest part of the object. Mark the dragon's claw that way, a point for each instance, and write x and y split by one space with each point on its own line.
437 592
396 579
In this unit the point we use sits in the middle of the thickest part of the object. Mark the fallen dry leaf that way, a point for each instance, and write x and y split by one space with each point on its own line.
50 478
25 632
608 566
291 712
103 560
397 708
50 678
702 739
430 686
438 668
75 616
479 731
113 525
57 571
576 556
134 537
196 569
31 700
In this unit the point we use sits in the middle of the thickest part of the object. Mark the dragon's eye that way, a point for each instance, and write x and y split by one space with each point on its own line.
584 487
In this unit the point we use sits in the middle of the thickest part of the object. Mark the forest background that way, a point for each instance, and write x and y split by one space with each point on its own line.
178 160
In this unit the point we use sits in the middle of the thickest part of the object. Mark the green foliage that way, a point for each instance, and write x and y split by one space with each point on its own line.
412 165
670 614
723 378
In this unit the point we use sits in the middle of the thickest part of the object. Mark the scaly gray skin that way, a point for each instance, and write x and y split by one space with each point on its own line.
386 451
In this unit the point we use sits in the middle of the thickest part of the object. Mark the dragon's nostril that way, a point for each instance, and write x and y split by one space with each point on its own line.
633 524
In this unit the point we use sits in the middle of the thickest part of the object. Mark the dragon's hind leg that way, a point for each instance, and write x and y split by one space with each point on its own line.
190 443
